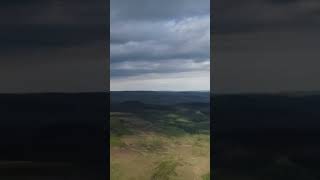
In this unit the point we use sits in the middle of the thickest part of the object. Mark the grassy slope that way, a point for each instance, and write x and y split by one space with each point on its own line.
160 142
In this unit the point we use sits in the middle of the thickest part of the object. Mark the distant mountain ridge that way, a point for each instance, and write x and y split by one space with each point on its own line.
160 97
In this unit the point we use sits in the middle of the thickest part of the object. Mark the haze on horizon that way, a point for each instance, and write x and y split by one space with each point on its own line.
160 45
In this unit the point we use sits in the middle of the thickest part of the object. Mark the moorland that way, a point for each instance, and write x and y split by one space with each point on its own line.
160 135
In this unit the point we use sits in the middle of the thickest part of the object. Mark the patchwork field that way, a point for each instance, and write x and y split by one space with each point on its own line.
159 142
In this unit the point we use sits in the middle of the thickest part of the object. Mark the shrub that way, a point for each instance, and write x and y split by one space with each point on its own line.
118 127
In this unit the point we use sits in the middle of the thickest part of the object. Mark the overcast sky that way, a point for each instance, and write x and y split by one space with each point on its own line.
53 46
258 45
264 46
160 45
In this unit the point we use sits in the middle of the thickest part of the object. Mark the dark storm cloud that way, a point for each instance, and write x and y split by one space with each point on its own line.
265 45
159 37
50 45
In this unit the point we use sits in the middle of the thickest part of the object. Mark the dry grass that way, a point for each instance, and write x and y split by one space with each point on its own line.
146 157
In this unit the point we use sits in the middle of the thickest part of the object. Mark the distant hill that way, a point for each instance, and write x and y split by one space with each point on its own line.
160 97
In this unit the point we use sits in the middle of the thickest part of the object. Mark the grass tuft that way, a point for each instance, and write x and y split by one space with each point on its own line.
165 170
206 176
172 131
152 144
115 173
116 141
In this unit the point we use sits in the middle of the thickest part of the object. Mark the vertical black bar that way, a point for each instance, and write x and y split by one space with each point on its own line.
54 89
212 120
266 89
107 126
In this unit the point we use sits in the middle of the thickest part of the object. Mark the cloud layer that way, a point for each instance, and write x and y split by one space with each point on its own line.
154 39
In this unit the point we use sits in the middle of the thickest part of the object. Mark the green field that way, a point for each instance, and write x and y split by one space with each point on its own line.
160 142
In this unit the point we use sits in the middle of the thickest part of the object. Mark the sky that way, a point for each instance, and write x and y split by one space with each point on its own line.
256 45
160 45
53 46
265 46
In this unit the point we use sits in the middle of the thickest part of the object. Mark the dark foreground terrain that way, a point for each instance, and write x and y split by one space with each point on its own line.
53 136
267 137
